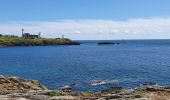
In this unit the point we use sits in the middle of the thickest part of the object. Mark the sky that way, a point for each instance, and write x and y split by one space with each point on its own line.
87 19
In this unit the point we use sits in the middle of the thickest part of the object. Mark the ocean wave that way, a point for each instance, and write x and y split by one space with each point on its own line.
102 82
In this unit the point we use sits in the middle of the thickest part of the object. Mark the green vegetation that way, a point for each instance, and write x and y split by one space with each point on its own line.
18 41
139 95
36 82
85 93
55 93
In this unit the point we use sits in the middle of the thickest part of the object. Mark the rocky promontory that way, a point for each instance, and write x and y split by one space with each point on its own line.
16 88
20 41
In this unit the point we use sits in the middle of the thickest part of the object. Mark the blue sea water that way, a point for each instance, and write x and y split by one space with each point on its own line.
130 63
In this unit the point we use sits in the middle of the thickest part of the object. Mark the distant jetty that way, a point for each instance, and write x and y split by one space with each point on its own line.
20 41
107 43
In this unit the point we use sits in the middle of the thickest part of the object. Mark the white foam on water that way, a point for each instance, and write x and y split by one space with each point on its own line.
102 82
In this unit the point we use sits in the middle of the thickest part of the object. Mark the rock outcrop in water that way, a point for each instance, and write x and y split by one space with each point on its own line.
107 43
16 88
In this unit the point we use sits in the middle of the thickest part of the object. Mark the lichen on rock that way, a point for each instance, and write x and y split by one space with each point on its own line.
17 83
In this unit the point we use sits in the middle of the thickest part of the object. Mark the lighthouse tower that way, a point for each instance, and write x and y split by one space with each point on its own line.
22 32
39 35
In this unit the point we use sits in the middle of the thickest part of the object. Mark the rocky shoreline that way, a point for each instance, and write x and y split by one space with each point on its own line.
16 88
19 41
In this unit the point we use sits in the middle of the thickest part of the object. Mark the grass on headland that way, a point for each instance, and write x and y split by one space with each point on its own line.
55 93
18 41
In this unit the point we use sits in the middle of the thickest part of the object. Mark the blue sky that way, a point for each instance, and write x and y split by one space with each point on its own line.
115 15
51 10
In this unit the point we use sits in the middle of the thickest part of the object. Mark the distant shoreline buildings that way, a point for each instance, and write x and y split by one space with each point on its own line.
28 35
24 35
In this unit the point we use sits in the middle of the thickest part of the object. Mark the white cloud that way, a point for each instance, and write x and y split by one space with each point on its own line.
94 29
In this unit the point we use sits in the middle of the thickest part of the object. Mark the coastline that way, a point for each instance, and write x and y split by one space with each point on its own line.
19 41
16 88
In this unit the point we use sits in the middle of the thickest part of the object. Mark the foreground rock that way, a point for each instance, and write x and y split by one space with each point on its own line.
15 88
19 84
146 92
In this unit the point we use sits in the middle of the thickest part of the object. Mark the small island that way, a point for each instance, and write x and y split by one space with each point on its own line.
28 39
107 43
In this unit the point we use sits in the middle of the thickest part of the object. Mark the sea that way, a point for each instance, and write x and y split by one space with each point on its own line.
89 66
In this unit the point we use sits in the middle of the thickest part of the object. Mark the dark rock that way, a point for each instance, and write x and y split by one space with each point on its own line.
112 96
66 89
138 96
106 43
112 90
149 83
151 89
75 43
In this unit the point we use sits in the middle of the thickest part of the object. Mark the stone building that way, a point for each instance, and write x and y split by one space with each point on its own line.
28 35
